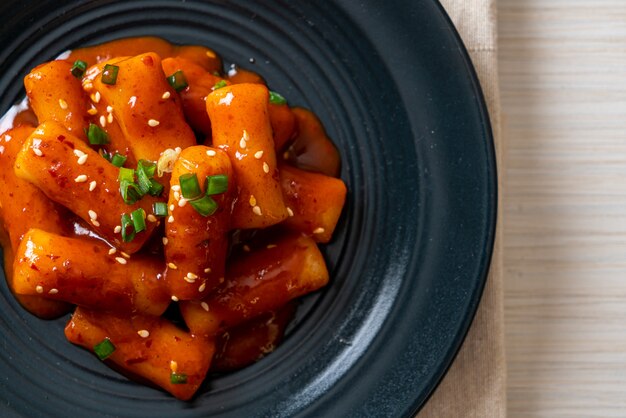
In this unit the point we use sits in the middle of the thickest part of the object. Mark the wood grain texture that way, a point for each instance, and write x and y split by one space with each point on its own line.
563 83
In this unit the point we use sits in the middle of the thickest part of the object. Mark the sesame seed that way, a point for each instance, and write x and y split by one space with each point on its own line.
174 298
258 155
289 211
170 219
270 246
81 179
172 207
252 200
257 210
210 54
172 266
109 109
95 97
192 276
117 229
207 270
173 365
62 104
38 289
92 214
92 111
242 143
176 195
245 136
37 152
87 86
110 118
95 223
176 188
103 121
151 218
125 255
92 186
82 159
205 306
166 95
165 240
211 153
120 260
189 280
202 287
153 123
182 202
53 291
266 168
246 248
112 251
143 333
319 230
78 153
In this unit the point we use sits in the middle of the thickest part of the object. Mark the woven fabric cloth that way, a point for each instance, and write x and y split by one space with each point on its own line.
475 385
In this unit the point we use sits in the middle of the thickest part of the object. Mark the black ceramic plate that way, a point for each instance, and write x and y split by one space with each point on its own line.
395 89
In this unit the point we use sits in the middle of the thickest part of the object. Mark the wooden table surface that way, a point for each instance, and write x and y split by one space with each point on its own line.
563 85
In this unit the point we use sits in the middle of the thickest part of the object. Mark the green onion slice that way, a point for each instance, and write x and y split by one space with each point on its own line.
109 74
178 378
79 68
118 160
143 181
147 166
219 85
127 236
96 135
104 349
189 186
139 220
156 188
277 99
216 184
205 205
159 208
178 81
130 192
104 154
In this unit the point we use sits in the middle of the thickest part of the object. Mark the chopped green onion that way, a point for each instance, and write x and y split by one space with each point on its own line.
96 135
104 154
130 192
126 174
205 205
109 74
178 378
104 349
127 222
277 99
148 166
216 184
189 186
156 188
79 68
159 208
139 220
219 85
178 81
118 160
143 181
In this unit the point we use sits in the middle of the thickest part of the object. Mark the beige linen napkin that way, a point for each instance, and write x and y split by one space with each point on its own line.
474 387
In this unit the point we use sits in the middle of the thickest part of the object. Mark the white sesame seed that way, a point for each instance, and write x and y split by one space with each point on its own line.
188 280
166 95
153 123
170 219
270 246
37 152
202 287
109 109
143 333
252 200
173 364
174 298
211 153
82 159
289 211
192 276
103 121
110 118
95 97
78 153
81 179
242 143
38 289
92 214
92 111
165 240
125 255
207 270
92 186
246 248
182 202
120 260
95 223
87 86
53 291
117 229
257 210
266 168
62 104
319 230
258 155
151 218
205 306
172 266
172 207
112 251
176 188
176 195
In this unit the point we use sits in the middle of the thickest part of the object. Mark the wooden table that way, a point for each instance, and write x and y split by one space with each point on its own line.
563 79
